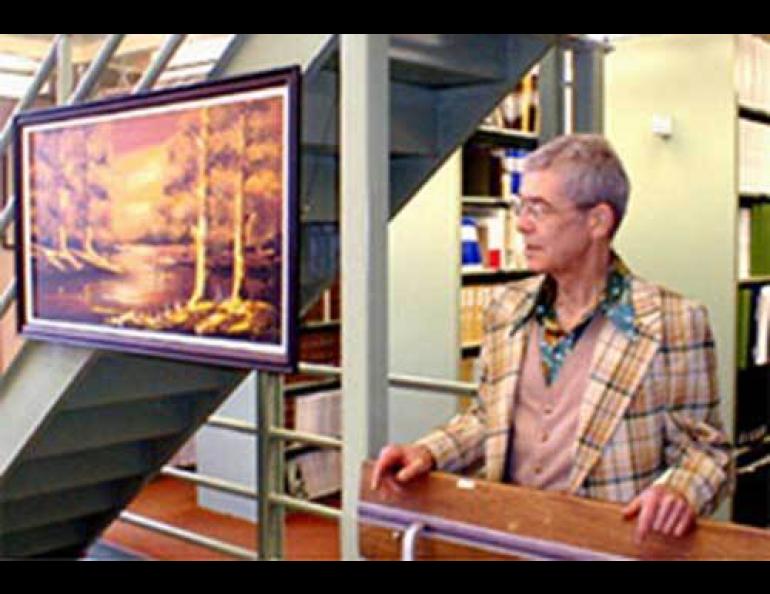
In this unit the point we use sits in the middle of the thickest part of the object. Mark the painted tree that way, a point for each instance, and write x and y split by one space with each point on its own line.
96 186
225 171
263 171
72 194
53 193
43 181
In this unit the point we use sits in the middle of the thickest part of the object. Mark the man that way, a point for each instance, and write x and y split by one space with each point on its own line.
594 381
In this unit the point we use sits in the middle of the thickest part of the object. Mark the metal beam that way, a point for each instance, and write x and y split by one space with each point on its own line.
64 74
42 74
186 535
159 62
588 88
6 216
551 93
231 50
270 461
364 130
91 77
7 298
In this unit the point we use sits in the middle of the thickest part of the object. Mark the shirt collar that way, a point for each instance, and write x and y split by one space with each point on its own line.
616 303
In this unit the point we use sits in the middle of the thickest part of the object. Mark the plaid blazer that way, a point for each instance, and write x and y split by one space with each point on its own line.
649 414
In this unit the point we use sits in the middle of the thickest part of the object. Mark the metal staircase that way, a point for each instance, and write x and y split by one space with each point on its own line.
83 430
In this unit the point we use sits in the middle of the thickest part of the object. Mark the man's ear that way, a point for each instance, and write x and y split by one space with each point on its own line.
602 220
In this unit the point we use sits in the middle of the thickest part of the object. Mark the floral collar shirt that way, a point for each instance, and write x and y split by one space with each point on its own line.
556 343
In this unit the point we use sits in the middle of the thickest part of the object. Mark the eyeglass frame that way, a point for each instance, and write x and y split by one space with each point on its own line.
520 205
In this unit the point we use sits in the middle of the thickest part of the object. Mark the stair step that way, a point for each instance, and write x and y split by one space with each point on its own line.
120 378
62 506
439 60
79 430
59 473
412 117
52 537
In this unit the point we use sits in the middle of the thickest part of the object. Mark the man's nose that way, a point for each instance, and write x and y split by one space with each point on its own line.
524 223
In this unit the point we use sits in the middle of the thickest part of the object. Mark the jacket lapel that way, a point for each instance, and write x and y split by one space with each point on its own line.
507 349
618 366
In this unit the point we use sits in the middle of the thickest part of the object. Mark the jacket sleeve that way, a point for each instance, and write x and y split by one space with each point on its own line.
698 454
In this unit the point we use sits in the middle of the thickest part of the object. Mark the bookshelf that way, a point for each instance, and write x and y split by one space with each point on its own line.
491 165
697 204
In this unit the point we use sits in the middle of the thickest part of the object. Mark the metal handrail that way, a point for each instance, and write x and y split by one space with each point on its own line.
42 73
301 505
398 380
6 216
227 55
8 297
186 535
233 425
82 91
161 60
754 466
210 481
310 438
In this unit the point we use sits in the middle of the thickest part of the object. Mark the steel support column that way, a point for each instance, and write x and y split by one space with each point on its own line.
588 73
551 92
364 177
64 75
270 471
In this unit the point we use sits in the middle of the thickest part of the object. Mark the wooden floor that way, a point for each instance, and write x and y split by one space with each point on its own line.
173 501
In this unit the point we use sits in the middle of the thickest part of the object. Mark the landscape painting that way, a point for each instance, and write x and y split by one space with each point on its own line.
164 224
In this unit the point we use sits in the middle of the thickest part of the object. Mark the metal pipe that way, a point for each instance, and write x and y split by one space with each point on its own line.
233 424
311 438
235 44
319 369
398 380
306 506
764 461
410 541
302 386
42 73
270 465
432 385
159 62
192 537
743 450
6 216
91 77
64 70
209 481
8 297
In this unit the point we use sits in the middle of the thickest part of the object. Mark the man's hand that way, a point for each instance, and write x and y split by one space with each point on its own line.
411 461
660 510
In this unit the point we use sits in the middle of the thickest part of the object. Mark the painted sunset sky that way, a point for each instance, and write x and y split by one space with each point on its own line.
139 159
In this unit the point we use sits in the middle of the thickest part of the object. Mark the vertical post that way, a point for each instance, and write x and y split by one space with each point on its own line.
63 69
588 73
270 470
364 206
551 89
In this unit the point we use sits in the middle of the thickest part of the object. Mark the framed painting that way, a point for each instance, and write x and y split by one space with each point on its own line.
164 223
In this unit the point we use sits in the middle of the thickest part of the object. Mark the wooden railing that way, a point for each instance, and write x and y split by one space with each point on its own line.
444 516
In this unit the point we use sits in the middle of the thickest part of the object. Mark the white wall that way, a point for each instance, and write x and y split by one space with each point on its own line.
424 294
681 222
229 455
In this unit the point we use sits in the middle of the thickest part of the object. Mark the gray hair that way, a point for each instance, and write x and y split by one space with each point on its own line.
593 173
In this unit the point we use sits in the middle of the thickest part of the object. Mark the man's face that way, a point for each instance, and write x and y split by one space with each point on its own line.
556 232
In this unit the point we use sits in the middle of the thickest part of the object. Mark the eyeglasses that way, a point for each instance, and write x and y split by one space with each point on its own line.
538 209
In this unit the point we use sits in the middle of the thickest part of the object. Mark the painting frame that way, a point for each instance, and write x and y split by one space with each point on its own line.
279 353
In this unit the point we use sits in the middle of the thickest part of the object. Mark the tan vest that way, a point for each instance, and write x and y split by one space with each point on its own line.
543 436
